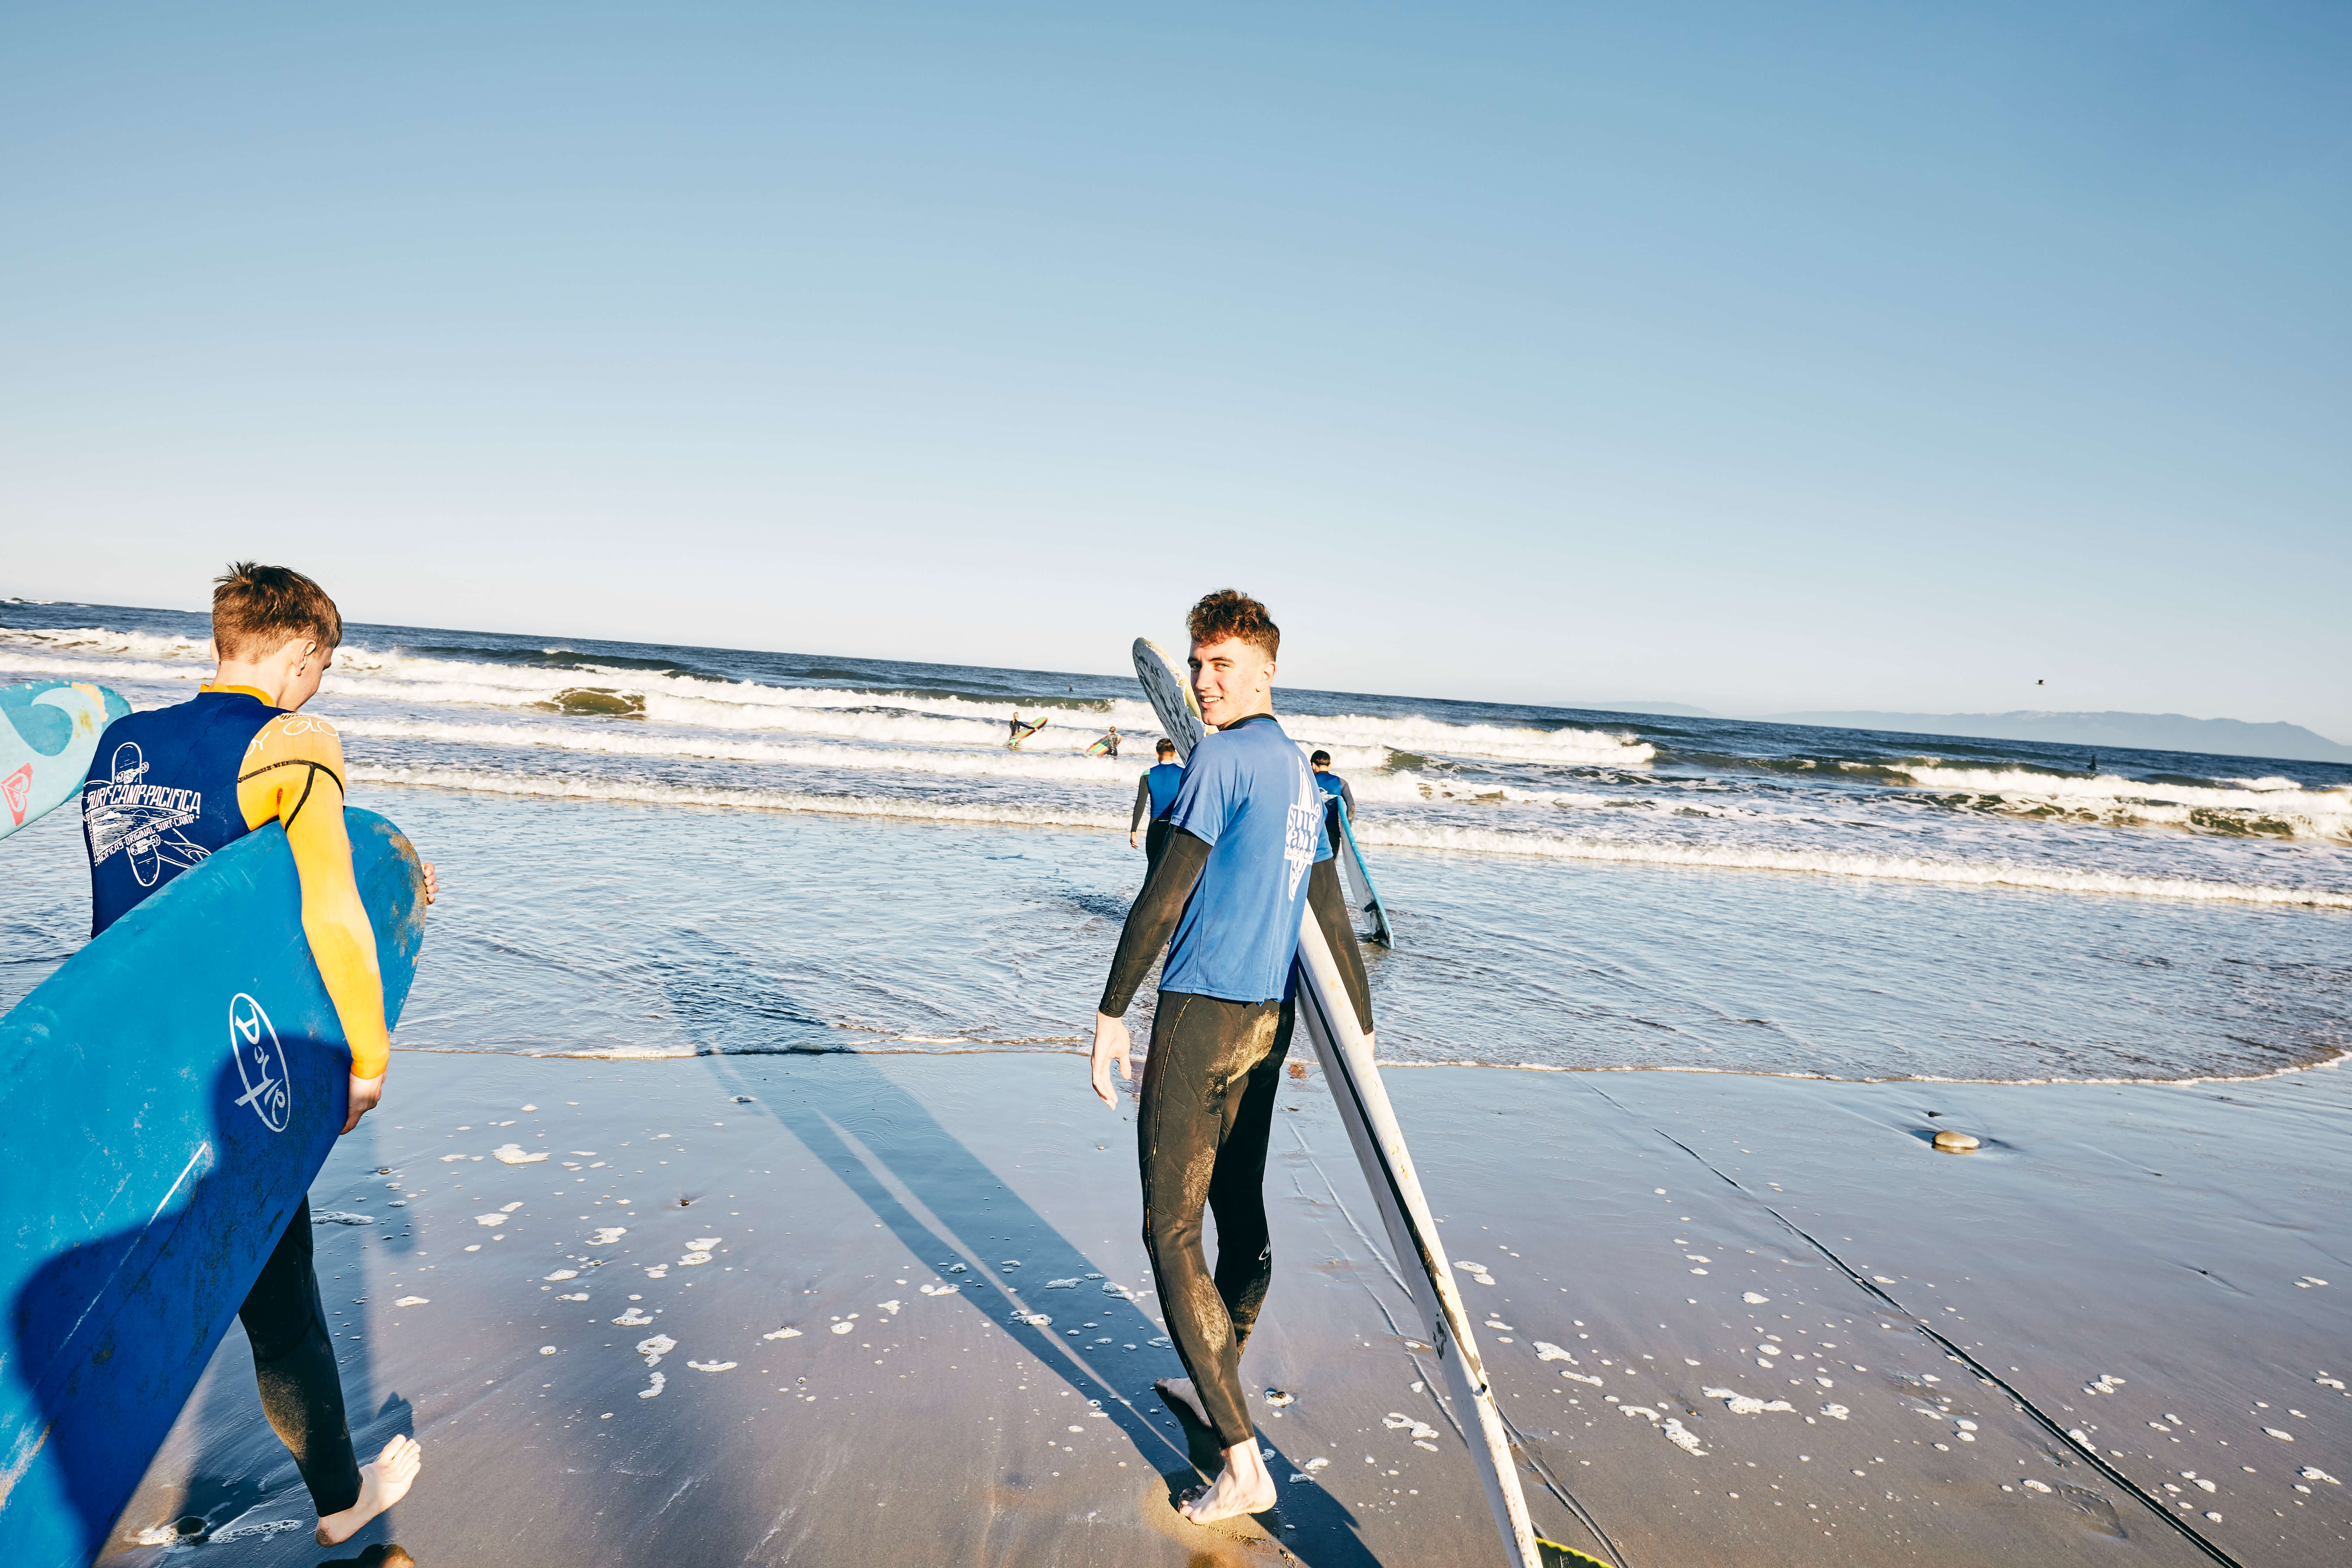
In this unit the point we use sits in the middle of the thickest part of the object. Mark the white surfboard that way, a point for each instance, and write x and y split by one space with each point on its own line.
1329 1020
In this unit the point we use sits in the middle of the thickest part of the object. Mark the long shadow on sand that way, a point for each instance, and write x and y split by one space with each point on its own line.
950 1207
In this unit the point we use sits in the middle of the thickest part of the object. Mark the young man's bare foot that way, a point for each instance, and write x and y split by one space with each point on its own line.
382 1484
1181 1390
1243 1486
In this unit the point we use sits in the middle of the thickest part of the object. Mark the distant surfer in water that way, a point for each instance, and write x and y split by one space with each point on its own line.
1155 797
1245 849
1016 732
171 786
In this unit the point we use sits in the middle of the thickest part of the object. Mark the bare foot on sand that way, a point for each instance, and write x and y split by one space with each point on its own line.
1181 1391
382 1484
1243 1486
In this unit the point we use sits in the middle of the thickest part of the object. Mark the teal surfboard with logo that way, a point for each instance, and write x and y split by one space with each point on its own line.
166 1099
49 733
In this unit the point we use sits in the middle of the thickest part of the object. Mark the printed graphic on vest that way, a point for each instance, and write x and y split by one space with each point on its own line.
260 1062
127 816
1306 816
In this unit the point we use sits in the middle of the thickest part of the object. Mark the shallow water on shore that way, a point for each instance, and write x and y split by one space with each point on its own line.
572 927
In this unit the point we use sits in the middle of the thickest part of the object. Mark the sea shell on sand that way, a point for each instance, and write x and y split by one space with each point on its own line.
1952 1143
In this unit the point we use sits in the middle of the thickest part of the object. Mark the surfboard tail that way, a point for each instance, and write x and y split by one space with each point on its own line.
1346 1059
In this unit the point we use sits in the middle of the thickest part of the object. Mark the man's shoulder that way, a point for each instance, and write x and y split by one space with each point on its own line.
294 737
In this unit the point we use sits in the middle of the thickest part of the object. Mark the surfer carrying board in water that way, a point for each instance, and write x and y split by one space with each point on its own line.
169 787
1245 849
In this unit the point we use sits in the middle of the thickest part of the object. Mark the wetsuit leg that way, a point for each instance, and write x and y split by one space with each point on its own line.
1155 840
1208 1102
294 1364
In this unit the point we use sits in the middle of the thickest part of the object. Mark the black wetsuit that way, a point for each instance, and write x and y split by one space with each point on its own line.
1207 1110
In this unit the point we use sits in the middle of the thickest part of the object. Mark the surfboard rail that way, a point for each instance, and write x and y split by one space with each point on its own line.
166 1098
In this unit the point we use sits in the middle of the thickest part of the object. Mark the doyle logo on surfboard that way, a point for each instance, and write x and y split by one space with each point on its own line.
18 787
260 1062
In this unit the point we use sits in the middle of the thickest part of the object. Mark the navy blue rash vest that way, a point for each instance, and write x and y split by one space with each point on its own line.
161 796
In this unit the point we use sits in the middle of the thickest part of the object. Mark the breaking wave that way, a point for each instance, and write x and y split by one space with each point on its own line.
1836 863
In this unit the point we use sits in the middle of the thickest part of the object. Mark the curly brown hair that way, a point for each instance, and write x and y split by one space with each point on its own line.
256 609
1230 612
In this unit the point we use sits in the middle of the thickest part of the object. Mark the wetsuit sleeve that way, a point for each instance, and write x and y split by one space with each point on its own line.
1348 794
1330 907
1143 803
1152 921
293 774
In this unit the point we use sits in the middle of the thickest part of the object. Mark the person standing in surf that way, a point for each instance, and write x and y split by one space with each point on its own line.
169 787
1334 788
1245 857
1155 797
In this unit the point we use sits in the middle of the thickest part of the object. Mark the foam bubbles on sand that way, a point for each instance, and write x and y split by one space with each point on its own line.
1580 1378
336 1217
657 1271
712 1365
608 1235
581 1296
1836 1412
633 1319
1745 1404
693 1259
547 1350
843 1327
1671 1427
2314 1473
413 1302
2272 1432
512 1154
782 1335
941 1289
491 1219
1038 1320
890 1306
1753 1297
653 1389
655 1347
1547 1350
563 1274
1073 1282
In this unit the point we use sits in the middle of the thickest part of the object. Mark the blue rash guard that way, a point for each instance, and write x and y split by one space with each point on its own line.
1164 780
1248 795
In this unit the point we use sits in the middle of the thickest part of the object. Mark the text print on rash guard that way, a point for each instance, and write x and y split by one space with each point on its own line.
1247 794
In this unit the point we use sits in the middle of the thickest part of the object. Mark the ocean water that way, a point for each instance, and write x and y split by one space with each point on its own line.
655 850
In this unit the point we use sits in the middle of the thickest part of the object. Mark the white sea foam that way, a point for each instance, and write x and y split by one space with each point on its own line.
1835 863
613 740
1010 812
2277 806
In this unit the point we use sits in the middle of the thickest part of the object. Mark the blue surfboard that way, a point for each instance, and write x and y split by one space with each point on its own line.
166 1098
49 733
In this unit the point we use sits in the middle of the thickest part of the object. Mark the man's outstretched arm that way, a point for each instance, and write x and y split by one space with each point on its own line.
1149 923
293 774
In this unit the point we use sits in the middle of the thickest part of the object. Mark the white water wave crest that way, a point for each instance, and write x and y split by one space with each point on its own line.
1836 863
612 740
563 787
1567 744
2271 807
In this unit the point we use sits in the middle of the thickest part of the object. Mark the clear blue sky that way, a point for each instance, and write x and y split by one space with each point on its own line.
1762 356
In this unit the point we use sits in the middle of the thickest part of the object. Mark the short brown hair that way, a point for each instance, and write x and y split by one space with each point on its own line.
256 609
1230 612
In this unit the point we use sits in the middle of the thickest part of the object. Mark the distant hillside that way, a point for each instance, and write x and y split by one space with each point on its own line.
2155 731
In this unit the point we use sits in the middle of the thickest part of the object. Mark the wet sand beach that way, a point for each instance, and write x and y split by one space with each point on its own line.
771 1310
